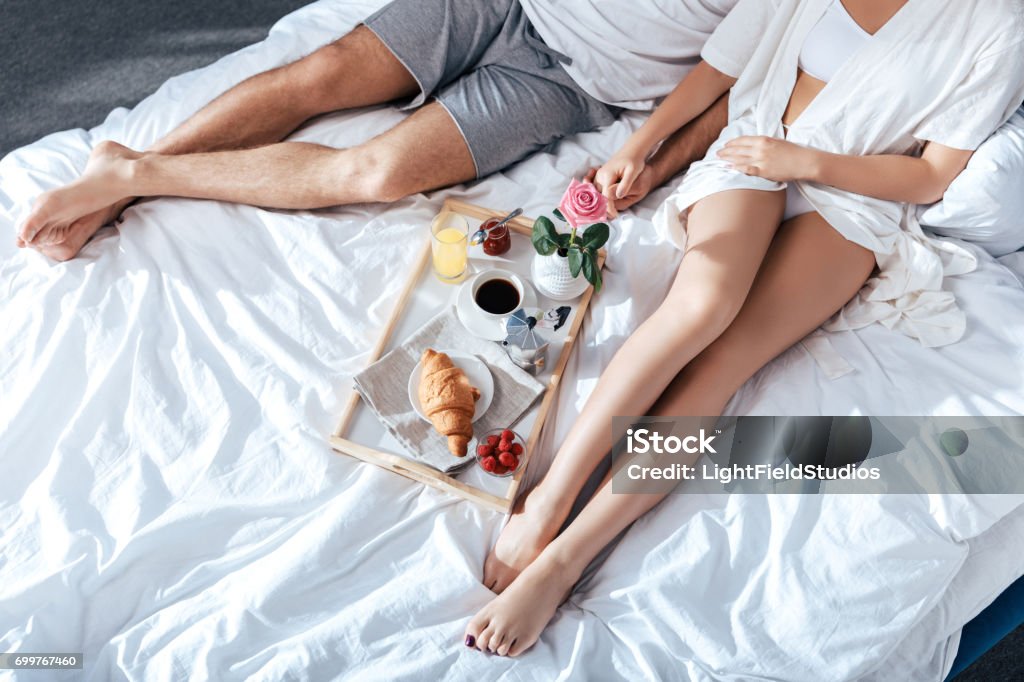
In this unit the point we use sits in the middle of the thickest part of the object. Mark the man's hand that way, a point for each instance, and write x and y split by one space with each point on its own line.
769 158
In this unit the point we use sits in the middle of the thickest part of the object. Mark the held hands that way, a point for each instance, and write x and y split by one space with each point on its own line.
624 179
769 158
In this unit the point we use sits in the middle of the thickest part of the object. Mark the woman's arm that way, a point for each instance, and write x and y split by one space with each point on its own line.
696 93
688 144
914 180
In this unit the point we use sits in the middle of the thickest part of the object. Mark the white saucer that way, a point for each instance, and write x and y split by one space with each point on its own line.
480 326
476 371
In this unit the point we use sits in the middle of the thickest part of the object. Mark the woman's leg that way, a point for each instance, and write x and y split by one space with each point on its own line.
808 274
728 235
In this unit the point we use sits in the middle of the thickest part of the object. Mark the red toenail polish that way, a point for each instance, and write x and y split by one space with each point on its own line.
470 640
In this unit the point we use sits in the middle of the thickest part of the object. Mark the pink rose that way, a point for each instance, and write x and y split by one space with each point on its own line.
582 204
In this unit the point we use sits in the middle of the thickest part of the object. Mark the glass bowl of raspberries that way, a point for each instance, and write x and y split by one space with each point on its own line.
500 452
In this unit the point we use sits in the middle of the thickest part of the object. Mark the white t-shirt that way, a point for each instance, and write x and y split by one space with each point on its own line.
627 53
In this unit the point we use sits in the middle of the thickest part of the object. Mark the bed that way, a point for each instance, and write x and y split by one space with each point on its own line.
170 506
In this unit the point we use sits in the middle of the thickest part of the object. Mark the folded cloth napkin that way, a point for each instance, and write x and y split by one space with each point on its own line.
384 386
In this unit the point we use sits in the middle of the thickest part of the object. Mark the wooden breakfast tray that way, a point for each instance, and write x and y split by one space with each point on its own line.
360 435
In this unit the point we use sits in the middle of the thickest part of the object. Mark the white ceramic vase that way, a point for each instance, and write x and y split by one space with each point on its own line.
552 278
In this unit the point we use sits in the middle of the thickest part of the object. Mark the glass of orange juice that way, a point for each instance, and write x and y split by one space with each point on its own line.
449 243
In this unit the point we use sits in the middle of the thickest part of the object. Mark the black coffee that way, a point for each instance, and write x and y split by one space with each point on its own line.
497 296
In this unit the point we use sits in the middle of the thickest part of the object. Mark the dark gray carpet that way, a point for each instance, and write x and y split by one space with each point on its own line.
65 64
1003 663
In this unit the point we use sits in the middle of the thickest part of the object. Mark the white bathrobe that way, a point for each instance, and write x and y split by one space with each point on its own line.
948 71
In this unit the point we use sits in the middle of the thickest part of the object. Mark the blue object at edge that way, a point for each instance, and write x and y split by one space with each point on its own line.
999 619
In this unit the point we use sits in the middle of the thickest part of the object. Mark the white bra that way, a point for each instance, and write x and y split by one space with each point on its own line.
831 42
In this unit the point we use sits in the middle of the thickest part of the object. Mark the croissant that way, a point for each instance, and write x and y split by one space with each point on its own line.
448 399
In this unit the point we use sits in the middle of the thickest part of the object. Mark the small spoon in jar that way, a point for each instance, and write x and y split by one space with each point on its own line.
481 235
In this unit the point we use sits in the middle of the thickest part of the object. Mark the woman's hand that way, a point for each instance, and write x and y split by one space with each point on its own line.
642 186
616 178
770 158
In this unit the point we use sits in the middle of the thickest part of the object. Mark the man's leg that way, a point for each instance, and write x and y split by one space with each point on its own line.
485 120
424 152
357 70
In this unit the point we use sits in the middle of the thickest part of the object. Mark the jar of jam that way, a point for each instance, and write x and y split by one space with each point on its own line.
498 241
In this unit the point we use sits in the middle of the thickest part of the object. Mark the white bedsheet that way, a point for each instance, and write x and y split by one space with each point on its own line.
169 506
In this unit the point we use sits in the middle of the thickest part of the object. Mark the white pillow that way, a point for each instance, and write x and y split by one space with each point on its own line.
985 203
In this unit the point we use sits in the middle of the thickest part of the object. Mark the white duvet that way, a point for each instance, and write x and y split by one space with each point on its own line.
169 505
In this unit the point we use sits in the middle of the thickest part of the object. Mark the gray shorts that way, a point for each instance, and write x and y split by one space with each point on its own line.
486 65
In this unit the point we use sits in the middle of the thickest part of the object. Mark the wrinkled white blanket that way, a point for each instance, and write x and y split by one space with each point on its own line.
169 506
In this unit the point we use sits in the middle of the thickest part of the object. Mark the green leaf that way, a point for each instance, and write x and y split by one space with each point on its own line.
545 247
576 260
588 267
595 236
545 238
558 214
564 241
591 271
546 227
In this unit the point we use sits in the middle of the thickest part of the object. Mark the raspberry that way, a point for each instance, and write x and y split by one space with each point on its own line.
508 459
484 450
500 470
517 449
504 445
489 464
492 441
508 435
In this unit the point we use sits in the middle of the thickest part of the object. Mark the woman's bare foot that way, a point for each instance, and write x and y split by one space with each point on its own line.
513 621
63 218
534 523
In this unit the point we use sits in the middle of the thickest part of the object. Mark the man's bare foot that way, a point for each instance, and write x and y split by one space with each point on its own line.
534 523
513 621
89 199
70 240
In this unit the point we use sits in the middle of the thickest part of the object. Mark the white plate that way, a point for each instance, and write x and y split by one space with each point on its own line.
476 371
480 326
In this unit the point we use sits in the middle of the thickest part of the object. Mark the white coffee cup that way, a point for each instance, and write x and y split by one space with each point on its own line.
511 278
